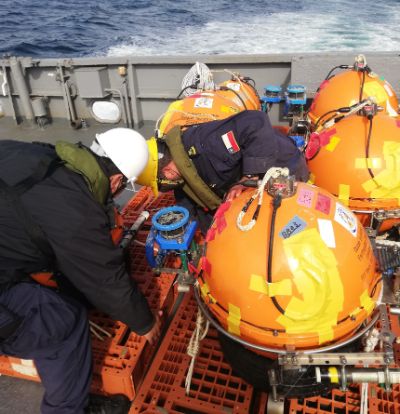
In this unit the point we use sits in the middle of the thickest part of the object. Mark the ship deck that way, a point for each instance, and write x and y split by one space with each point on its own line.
154 378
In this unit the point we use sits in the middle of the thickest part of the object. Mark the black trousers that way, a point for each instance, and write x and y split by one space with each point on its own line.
54 333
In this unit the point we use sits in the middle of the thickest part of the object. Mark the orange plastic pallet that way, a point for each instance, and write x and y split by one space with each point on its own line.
144 200
214 388
136 205
334 402
260 403
119 361
139 268
163 200
381 401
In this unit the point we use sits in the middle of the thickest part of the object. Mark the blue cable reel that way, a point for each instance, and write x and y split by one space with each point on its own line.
173 233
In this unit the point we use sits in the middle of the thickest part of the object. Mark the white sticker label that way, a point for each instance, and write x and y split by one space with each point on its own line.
203 102
326 232
346 219
234 86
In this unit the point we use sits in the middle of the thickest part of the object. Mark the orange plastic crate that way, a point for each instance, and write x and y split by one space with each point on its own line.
260 403
136 205
381 401
119 362
144 200
214 388
335 401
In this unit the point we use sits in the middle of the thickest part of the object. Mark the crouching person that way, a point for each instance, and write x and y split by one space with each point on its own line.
55 215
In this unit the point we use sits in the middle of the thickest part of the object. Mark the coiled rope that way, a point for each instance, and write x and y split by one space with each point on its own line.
199 333
273 172
199 76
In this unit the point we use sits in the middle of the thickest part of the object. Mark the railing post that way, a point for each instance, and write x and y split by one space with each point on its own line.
136 111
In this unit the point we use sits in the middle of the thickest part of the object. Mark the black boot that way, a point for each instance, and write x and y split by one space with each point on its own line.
115 404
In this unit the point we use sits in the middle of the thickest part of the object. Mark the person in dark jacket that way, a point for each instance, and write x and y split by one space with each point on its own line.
208 161
54 215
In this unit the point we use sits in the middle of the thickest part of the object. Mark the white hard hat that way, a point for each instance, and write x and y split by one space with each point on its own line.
126 148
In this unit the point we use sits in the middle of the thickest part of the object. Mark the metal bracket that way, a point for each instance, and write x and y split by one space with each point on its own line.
349 358
332 358
386 334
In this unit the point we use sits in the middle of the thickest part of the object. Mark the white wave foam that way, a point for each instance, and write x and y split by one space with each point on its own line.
286 32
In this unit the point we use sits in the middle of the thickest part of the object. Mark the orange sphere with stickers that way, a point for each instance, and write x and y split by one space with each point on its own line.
303 276
344 89
230 98
357 160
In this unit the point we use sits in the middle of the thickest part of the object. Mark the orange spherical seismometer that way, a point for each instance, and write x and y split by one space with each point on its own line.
348 88
358 160
303 277
229 98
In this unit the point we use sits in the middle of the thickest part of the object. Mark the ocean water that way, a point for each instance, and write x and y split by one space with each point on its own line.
75 28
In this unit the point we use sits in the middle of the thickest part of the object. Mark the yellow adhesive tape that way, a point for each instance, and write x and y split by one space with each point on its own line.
384 193
226 109
259 284
334 141
205 290
317 279
366 302
386 184
174 107
376 90
212 299
386 179
361 163
344 194
355 312
233 319
333 375
311 180
369 185
326 336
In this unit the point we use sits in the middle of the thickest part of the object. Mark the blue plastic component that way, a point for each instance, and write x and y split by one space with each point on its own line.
174 244
296 95
298 140
273 88
153 261
296 89
272 94
271 99
174 226
180 243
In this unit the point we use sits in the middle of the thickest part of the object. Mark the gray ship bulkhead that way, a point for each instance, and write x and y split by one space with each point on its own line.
41 98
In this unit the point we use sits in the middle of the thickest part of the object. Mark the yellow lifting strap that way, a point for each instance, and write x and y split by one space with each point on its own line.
194 186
